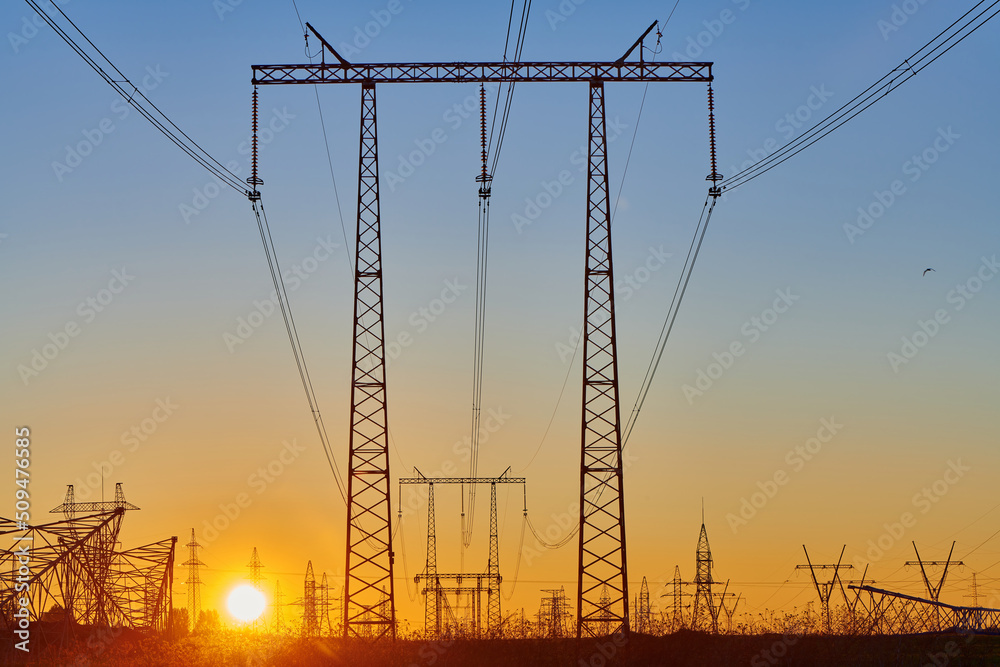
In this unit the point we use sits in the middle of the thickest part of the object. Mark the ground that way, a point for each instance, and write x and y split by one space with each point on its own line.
92 648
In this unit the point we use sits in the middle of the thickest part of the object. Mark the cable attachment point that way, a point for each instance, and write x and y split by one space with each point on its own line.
715 176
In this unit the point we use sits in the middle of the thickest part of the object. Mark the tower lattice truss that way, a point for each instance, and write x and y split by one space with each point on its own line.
77 576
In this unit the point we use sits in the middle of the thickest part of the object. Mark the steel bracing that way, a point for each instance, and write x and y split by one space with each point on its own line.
602 557
369 535
825 589
480 72
704 616
75 566
489 583
890 613
193 581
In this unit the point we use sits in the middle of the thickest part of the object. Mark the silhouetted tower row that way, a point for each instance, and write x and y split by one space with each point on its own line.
194 581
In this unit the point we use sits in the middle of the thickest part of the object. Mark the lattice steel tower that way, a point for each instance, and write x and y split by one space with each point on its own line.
255 580
369 534
310 622
602 557
703 614
194 581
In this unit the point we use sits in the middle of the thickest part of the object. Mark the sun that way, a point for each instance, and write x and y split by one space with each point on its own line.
246 603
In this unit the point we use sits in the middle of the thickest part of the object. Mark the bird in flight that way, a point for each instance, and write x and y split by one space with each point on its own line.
926 270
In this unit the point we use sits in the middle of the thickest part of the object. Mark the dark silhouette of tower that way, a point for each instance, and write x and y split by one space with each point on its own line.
310 621
194 581
703 615
255 580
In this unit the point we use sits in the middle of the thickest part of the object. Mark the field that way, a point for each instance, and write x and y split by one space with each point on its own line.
232 649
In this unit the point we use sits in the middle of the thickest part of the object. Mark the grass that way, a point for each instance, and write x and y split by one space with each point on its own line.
93 648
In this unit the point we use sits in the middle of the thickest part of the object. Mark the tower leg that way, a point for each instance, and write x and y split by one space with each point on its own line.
369 535
432 598
493 616
602 560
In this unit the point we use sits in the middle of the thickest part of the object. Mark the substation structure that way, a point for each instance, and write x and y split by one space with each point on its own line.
602 553
437 610
77 576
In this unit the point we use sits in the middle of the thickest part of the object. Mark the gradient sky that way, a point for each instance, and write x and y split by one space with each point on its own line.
162 338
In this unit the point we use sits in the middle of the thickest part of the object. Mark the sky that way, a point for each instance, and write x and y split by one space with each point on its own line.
858 411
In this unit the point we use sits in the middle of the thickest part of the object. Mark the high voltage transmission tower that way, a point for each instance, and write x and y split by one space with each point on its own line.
310 622
256 578
369 606
934 590
677 596
703 614
194 581
825 589
278 595
644 614
434 592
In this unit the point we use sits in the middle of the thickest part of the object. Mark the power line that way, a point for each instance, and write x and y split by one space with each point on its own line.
675 303
193 149
138 100
899 75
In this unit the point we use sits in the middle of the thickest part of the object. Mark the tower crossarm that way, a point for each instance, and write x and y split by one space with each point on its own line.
462 480
488 72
